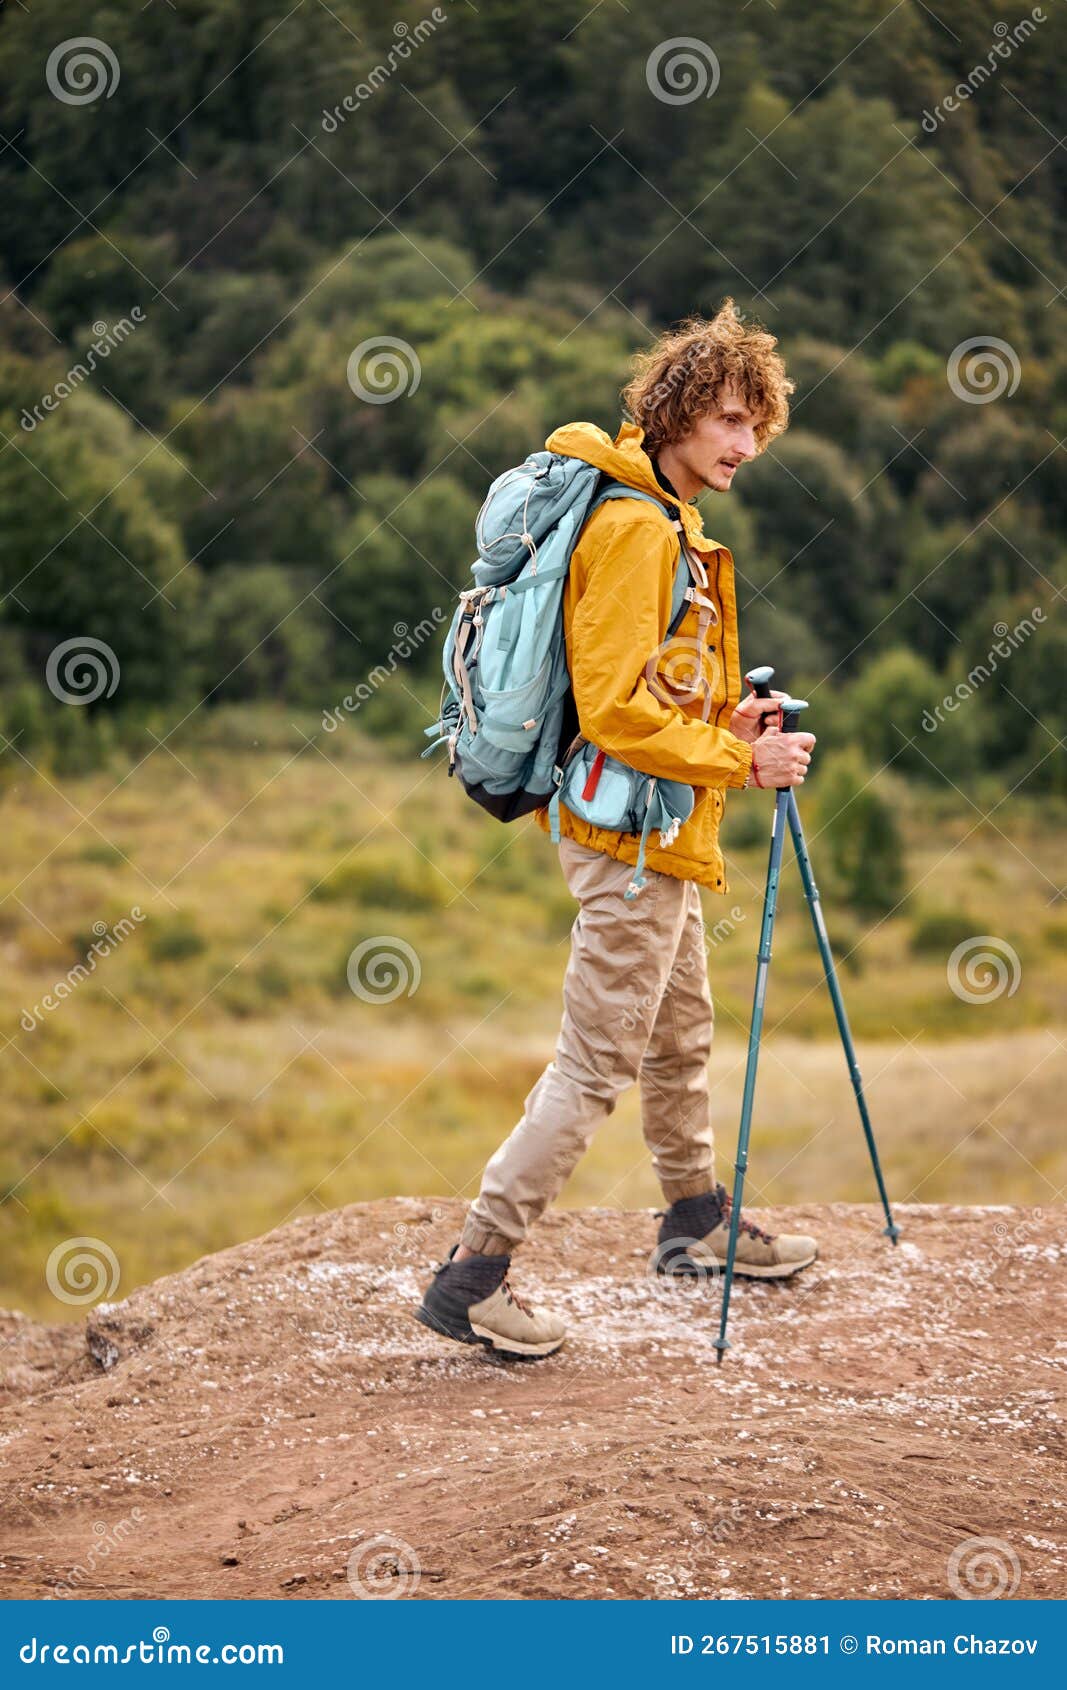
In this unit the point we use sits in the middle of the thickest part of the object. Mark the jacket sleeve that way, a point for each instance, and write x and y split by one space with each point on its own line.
621 605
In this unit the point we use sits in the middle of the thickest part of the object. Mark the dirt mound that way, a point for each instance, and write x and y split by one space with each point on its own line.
272 1421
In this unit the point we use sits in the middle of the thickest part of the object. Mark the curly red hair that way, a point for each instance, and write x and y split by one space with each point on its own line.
679 379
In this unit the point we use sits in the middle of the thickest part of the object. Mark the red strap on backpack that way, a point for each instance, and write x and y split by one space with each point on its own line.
592 780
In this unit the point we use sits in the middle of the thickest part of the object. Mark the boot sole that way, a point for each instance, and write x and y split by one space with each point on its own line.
488 1340
512 1346
704 1270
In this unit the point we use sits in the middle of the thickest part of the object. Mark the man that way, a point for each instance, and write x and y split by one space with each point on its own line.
704 401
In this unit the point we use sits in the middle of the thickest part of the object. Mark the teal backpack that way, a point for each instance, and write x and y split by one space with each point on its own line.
507 713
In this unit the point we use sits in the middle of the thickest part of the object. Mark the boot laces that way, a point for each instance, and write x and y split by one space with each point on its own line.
512 1297
743 1225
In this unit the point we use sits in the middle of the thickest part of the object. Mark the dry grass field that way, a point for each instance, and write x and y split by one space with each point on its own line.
214 1074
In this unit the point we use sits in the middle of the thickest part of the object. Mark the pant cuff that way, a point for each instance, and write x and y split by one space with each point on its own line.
697 1185
484 1243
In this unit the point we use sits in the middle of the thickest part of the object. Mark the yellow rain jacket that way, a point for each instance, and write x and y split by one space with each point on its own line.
616 611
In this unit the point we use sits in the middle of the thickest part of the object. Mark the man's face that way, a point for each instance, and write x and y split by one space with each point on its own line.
721 441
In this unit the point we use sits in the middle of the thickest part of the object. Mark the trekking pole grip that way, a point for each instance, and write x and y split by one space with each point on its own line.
760 680
791 708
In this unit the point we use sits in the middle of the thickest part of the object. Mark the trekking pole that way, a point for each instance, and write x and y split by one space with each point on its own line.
790 713
760 682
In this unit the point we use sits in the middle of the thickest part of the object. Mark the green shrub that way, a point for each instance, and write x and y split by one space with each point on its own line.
747 823
175 938
274 980
102 852
937 931
385 881
859 838
892 709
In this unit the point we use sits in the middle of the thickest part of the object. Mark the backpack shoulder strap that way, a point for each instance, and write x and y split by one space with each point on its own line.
683 578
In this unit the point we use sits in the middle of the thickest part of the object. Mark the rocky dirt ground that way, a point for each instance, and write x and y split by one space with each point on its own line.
272 1422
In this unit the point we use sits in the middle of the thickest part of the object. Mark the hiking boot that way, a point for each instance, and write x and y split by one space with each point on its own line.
695 1232
472 1302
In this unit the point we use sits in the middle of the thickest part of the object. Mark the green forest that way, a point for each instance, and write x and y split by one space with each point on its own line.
261 189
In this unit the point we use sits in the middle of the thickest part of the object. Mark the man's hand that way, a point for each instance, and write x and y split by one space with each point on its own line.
781 759
747 720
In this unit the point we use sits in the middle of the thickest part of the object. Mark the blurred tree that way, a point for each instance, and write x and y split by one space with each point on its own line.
404 556
262 633
892 707
85 549
863 848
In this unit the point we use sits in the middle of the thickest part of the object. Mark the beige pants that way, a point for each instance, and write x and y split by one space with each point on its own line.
636 1005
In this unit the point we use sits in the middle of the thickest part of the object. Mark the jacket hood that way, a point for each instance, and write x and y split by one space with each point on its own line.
625 460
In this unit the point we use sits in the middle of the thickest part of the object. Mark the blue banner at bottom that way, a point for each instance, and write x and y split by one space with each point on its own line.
664 1644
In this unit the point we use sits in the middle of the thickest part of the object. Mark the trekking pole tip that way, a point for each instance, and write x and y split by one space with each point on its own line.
892 1231
721 1344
